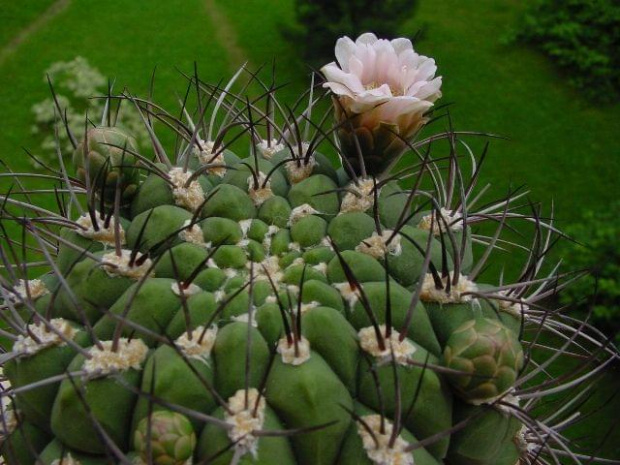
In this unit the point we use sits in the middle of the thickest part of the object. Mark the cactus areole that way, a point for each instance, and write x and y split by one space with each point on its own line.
318 300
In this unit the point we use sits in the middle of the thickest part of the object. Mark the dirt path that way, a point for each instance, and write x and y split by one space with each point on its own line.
45 17
226 35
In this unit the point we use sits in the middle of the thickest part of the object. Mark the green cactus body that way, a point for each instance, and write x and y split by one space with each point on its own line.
106 157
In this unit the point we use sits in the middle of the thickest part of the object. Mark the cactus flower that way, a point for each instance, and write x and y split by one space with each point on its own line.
382 87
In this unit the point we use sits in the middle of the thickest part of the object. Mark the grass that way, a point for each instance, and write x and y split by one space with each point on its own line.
561 145
564 147
15 16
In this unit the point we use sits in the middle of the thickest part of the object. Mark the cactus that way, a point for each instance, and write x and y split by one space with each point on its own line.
204 307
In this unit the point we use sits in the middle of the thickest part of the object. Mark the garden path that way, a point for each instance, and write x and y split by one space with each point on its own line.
45 17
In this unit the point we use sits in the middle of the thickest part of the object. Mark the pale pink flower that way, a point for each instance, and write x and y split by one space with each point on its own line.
383 81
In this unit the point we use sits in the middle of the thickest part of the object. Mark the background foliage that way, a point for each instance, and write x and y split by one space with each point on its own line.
583 38
599 232
321 22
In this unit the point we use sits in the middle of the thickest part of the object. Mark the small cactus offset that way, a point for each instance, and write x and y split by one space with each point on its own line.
193 305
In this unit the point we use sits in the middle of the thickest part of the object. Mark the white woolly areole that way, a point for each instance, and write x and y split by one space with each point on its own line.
402 350
271 231
268 268
509 400
359 197
115 265
219 295
321 267
430 293
290 356
300 212
39 336
377 245
199 346
185 291
306 307
293 289
103 234
8 422
208 156
350 294
193 234
66 460
453 219
191 196
294 247
261 193
35 287
527 441
268 148
516 309
137 460
245 421
245 226
245 318
231 273
129 354
300 168
380 451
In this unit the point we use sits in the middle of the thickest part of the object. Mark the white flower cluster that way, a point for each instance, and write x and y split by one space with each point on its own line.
75 83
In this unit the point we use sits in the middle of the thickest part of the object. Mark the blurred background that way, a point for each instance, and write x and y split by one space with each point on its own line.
545 74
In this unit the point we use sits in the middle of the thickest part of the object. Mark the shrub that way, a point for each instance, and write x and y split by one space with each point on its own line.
322 22
600 254
582 37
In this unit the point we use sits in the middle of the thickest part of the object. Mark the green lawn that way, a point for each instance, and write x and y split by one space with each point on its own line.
15 16
561 145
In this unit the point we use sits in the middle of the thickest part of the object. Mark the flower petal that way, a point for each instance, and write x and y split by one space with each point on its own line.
345 48
368 38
